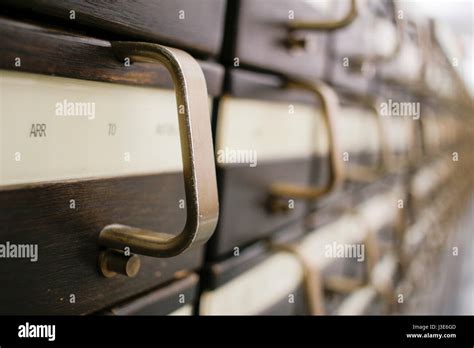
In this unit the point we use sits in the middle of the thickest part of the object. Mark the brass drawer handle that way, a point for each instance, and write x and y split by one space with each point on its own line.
312 282
330 107
364 173
330 24
197 157
367 65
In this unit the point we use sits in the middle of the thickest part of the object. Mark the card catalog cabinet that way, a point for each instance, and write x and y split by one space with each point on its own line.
69 173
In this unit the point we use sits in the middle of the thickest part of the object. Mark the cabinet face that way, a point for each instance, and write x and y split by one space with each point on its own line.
259 143
94 153
248 293
187 24
262 38
175 298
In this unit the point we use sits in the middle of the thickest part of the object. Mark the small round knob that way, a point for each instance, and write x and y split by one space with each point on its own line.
113 262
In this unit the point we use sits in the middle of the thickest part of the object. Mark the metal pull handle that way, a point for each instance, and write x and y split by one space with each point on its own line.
312 282
330 24
367 64
400 32
197 157
362 173
330 106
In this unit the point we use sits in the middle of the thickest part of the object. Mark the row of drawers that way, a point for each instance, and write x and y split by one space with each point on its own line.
309 274
252 111
349 43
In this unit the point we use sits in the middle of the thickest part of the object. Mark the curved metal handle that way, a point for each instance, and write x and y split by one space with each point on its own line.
197 157
327 25
367 174
312 282
360 62
330 106
400 32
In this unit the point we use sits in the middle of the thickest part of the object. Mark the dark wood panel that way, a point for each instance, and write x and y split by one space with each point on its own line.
260 38
219 273
67 241
262 86
355 43
161 301
158 21
346 198
244 213
50 51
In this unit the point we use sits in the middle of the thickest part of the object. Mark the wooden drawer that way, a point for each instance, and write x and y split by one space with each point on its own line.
175 298
279 130
72 177
360 136
260 35
353 50
334 270
192 25
235 285
406 67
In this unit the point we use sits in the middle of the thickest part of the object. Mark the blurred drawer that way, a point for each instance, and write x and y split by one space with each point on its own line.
265 135
399 134
187 24
360 135
440 130
72 177
261 35
407 65
342 255
354 256
381 211
82 57
361 302
428 180
176 298
353 50
240 285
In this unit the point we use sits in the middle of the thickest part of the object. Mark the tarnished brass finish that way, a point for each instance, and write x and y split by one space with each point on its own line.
312 281
197 157
330 107
329 24
342 284
360 173
113 262
367 65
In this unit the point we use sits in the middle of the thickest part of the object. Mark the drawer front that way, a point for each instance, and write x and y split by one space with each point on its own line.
354 49
406 67
359 135
243 294
338 255
187 24
263 39
261 143
66 239
176 298
360 302
29 47
79 156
